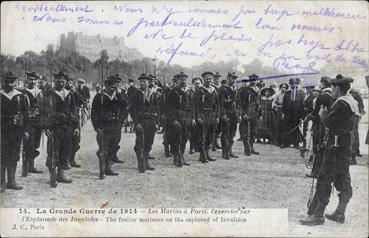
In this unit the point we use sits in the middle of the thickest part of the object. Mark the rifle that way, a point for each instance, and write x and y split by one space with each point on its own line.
24 159
52 162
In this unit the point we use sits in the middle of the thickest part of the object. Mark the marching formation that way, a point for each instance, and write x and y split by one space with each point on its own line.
199 111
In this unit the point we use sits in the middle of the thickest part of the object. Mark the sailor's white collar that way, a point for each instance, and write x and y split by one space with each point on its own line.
62 93
111 97
210 89
34 91
11 94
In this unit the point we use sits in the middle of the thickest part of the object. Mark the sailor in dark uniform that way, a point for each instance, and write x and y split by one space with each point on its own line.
323 102
249 111
181 117
34 129
60 121
13 129
228 115
335 167
144 112
107 119
207 114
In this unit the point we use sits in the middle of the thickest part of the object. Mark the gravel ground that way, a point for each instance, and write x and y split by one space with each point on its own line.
274 179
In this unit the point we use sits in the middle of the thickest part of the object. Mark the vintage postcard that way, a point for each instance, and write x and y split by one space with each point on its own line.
184 118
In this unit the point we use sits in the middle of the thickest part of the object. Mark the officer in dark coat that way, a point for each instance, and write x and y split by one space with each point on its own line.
228 115
181 117
249 111
323 102
34 129
206 114
293 112
14 123
338 149
107 119
144 112
216 84
60 121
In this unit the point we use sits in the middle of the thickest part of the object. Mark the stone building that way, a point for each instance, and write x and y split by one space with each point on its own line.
91 46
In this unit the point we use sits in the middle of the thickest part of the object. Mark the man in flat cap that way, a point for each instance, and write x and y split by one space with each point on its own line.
216 84
206 114
338 150
293 112
60 121
14 123
107 115
34 129
181 117
144 113
228 115
323 102
249 111
83 90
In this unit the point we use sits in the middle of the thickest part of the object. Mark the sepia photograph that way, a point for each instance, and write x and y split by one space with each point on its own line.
184 118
